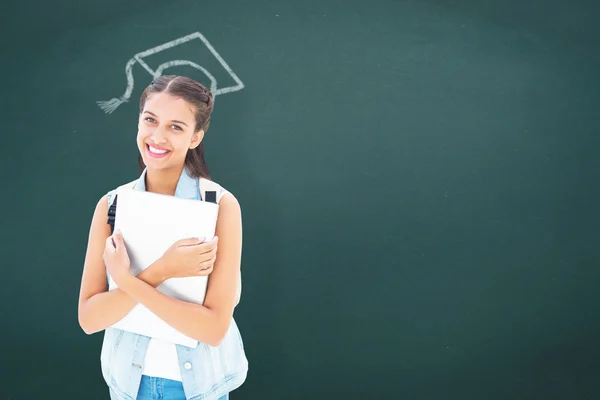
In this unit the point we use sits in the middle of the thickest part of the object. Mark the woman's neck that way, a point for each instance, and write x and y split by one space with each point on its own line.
163 181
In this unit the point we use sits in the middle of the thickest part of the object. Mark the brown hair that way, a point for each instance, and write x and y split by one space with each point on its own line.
201 99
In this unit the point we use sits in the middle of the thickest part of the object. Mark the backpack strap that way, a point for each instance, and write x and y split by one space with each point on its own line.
112 203
212 192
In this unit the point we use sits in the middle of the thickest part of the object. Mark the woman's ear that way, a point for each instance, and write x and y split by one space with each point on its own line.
196 139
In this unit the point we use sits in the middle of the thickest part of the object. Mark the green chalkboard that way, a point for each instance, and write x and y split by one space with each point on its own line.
418 182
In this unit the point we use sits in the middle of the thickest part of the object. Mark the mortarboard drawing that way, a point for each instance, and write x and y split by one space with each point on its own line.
111 105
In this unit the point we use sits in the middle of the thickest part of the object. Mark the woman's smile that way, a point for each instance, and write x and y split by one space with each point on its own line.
156 152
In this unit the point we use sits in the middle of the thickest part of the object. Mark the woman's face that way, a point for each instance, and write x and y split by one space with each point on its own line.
166 131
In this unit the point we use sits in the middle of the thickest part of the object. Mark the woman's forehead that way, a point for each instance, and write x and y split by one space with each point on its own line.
167 106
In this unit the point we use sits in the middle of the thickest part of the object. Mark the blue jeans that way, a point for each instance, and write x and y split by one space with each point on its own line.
152 388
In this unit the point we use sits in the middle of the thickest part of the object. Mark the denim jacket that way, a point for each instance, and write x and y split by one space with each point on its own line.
207 372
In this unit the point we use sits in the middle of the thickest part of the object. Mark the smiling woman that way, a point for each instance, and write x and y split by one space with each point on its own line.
174 116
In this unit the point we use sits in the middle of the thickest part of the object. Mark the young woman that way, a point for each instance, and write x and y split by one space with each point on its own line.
174 116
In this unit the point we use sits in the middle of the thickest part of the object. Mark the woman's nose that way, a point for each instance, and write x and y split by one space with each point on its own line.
158 136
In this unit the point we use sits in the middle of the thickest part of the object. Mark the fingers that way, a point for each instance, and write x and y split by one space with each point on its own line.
118 240
189 242
206 257
115 241
200 248
206 270
207 247
110 244
207 265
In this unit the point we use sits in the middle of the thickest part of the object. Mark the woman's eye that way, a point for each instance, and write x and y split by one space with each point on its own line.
177 127
149 119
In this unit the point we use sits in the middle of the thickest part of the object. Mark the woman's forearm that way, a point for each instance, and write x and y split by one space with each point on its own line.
193 320
107 308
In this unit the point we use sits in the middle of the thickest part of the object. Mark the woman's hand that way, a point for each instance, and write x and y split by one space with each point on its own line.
116 258
189 257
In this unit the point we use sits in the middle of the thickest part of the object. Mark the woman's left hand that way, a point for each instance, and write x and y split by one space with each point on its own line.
116 258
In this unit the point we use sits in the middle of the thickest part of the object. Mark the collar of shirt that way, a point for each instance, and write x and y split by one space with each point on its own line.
187 186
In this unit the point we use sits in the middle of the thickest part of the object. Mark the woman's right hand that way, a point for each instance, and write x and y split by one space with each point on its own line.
189 257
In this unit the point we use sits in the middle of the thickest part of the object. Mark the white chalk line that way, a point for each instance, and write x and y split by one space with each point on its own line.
111 105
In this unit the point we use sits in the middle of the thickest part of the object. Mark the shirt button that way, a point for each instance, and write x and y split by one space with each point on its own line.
187 365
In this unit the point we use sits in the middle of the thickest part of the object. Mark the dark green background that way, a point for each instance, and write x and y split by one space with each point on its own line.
418 182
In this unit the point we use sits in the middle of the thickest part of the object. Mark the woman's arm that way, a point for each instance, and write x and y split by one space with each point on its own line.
206 323
98 308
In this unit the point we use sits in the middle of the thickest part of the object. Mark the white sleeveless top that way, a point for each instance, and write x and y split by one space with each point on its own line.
161 360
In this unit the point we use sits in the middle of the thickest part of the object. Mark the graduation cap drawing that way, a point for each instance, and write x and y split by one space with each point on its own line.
111 105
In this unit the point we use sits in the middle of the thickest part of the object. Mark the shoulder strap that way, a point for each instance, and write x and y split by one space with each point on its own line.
112 203
210 191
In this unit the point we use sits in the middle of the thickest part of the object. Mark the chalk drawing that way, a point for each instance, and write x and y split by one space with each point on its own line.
111 105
